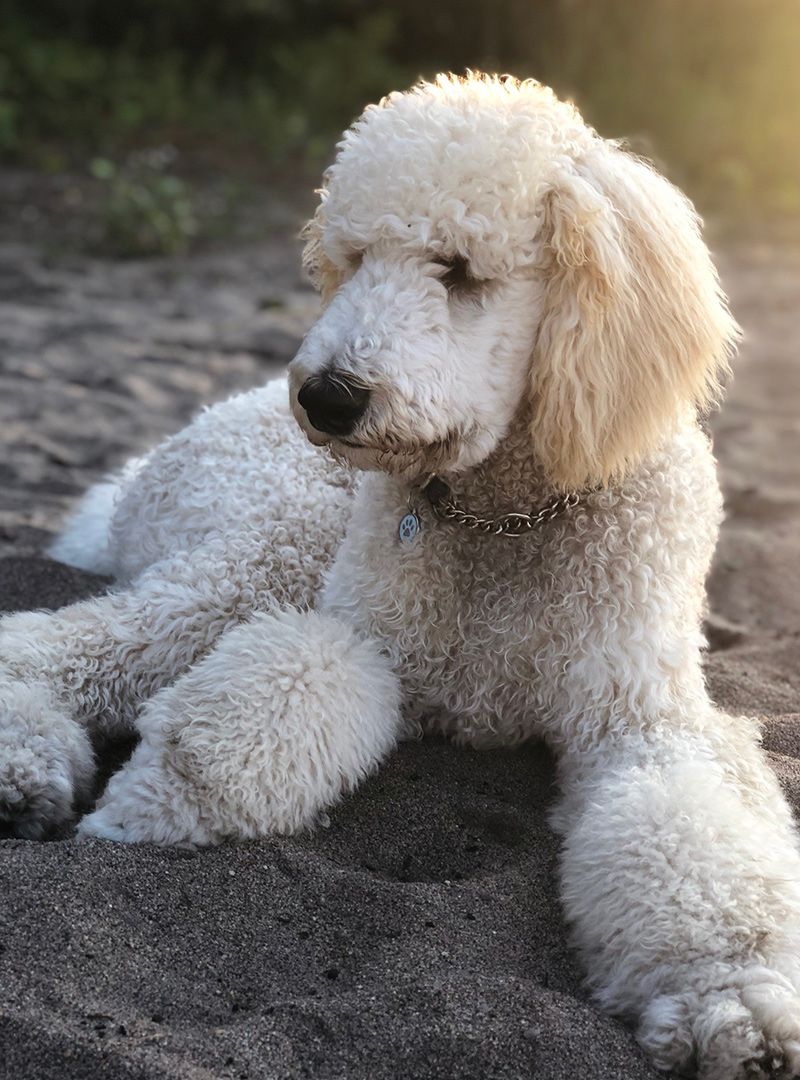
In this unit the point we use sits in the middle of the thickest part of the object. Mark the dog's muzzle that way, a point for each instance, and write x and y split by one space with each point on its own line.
334 404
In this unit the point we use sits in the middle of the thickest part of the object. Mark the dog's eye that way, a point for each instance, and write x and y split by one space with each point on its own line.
457 277
354 259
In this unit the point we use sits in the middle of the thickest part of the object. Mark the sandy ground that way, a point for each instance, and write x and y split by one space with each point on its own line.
419 936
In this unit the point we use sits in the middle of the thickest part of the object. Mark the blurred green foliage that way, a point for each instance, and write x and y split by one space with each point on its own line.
711 88
278 77
146 210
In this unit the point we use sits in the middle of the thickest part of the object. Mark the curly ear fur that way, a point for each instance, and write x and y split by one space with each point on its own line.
635 327
323 273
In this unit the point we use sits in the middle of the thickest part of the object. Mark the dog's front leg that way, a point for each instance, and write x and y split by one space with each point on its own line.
90 666
681 879
289 710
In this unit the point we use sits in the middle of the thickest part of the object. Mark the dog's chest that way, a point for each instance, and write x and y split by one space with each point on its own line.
455 611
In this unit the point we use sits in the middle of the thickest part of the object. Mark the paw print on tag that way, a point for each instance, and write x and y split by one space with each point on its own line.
409 527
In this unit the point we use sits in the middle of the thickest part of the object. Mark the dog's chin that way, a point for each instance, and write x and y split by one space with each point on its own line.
396 461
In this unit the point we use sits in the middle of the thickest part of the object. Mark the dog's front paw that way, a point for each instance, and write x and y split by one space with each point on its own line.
113 822
145 803
733 1023
46 760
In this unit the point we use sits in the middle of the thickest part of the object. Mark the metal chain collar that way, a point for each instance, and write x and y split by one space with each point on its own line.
444 506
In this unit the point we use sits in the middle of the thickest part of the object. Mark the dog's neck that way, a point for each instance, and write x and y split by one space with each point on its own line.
510 479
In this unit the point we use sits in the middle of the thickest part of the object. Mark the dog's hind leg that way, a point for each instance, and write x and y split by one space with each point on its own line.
87 539
287 712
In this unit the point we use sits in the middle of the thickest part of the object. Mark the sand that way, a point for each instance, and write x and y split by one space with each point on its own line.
419 935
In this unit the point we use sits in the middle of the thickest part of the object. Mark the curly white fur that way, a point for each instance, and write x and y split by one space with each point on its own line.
572 350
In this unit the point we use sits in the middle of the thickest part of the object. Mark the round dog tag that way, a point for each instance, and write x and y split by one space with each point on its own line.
409 527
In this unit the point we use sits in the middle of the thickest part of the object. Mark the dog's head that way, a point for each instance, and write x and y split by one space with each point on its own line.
478 243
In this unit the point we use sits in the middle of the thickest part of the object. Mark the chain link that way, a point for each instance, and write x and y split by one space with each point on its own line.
444 506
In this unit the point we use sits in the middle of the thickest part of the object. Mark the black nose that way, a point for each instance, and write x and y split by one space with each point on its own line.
334 403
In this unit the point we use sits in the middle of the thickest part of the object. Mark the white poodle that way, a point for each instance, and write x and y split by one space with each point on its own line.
521 323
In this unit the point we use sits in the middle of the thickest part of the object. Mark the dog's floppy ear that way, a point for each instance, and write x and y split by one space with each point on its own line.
635 328
324 274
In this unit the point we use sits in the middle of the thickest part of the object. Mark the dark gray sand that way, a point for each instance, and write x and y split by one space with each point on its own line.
419 935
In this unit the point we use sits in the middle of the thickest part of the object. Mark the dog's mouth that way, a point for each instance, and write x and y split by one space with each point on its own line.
399 457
